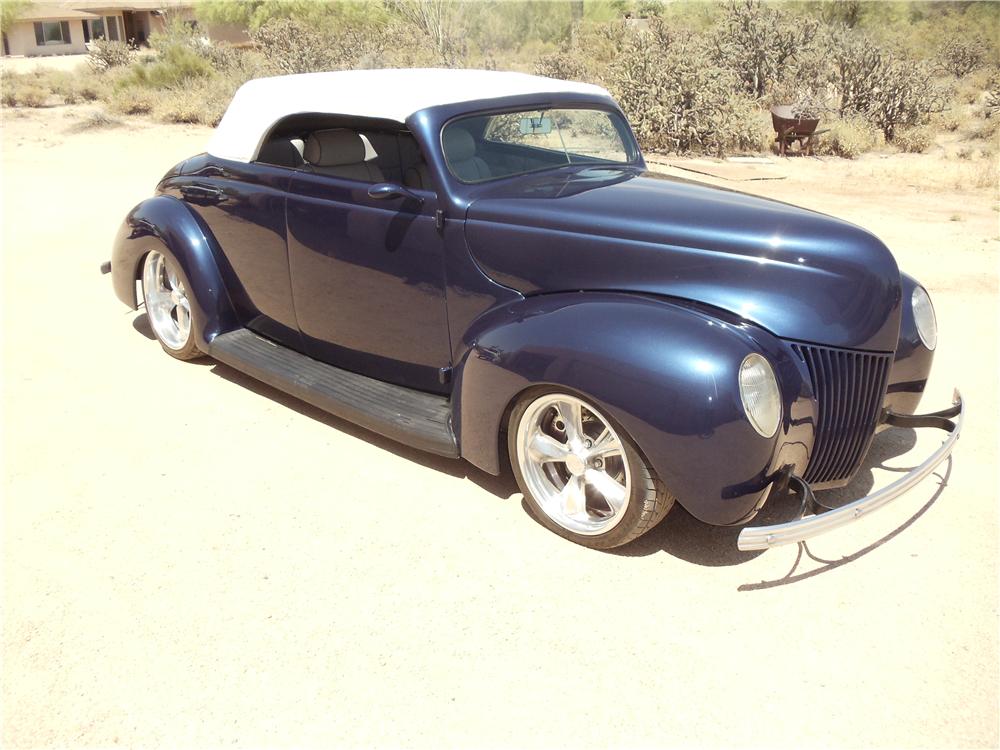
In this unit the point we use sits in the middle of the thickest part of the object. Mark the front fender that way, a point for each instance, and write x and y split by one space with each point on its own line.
666 373
164 223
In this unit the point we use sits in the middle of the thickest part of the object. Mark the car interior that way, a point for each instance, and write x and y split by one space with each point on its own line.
370 151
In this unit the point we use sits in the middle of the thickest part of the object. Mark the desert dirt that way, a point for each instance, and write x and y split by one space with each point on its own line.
192 559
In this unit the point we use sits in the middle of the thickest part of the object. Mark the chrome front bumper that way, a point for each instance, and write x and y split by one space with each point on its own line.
765 537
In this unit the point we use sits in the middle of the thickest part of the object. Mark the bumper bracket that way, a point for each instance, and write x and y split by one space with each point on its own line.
812 523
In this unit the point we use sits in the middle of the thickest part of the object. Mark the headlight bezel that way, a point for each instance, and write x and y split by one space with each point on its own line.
924 317
759 413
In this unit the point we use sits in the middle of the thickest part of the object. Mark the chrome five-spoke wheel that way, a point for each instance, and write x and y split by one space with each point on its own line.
583 476
167 305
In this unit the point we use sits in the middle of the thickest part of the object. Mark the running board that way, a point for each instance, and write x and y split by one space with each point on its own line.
411 417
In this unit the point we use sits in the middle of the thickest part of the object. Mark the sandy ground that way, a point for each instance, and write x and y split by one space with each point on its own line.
191 559
52 62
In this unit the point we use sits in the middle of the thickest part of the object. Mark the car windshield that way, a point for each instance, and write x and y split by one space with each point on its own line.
487 147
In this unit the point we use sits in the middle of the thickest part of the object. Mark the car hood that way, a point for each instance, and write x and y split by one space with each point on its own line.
795 272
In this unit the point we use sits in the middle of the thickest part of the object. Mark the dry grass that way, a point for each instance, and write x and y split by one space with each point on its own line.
849 138
95 121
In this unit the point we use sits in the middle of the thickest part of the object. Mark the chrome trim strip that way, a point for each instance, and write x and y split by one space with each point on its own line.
766 537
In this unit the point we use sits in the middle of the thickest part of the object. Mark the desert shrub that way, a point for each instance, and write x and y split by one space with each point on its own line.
965 153
105 53
890 93
8 93
202 102
564 64
677 100
959 56
759 42
948 121
179 106
985 130
991 104
914 140
906 97
294 47
23 94
848 137
175 65
132 101
96 121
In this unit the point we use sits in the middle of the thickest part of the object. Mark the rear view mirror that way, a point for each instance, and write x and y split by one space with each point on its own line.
536 125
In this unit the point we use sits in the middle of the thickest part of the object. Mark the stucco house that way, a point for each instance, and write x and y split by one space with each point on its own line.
65 28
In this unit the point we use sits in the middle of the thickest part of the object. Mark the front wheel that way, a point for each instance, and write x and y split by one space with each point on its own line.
168 306
582 476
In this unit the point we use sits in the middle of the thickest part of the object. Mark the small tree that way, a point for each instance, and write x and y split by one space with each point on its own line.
10 11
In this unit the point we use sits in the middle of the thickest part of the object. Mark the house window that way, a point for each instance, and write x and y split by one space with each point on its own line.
103 28
52 32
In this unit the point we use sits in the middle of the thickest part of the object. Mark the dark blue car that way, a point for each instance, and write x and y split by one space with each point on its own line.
479 264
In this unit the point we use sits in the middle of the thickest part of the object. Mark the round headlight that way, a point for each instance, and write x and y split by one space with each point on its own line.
760 396
923 316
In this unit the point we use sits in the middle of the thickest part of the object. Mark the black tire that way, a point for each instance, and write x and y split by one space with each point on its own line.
649 501
189 350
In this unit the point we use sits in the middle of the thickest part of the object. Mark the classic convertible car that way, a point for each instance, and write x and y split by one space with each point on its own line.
480 265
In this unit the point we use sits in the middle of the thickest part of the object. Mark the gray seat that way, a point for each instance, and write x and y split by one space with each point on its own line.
417 177
460 148
341 153
282 152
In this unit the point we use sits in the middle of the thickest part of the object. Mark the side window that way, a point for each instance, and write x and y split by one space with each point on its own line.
342 152
347 148
282 151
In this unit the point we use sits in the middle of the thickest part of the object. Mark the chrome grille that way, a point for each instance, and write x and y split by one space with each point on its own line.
849 386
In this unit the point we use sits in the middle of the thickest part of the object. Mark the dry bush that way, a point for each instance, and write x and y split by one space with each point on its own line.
132 101
564 64
848 138
948 121
295 47
96 121
203 102
180 107
678 101
959 56
175 65
760 42
22 93
104 54
871 82
914 140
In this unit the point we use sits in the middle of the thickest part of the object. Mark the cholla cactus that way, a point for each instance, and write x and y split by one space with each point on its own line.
960 57
759 42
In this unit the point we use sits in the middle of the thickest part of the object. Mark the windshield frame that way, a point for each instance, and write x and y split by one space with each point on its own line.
617 118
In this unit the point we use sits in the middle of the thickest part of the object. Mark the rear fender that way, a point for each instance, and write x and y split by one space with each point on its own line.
667 374
165 224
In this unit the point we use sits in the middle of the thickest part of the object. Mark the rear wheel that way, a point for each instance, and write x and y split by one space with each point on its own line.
582 476
168 306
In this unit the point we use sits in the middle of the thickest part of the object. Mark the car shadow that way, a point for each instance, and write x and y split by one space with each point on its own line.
141 323
503 486
680 534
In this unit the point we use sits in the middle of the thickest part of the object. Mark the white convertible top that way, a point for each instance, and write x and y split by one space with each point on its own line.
392 94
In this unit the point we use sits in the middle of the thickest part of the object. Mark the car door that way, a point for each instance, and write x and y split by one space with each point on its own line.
368 280
244 208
